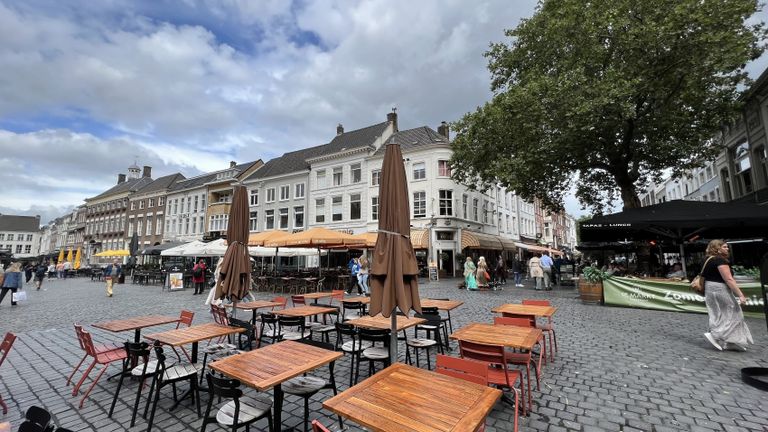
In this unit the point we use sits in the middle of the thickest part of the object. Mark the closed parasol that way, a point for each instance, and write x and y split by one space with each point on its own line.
133 248
394 271
235 272
77 259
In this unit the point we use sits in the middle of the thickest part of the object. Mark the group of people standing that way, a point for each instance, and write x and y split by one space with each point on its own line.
540 266
479 276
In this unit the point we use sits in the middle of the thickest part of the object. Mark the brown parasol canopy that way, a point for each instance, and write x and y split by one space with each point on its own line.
394 272
235 271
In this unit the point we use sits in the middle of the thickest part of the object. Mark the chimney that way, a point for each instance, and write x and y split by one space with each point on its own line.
120 178
392 118
339 129
147 171
232 164
444 130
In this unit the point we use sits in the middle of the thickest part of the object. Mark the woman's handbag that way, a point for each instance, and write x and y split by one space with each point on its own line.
697 284
487 276
19 296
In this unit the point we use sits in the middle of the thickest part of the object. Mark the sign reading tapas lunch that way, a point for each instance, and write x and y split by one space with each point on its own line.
606 225
670 296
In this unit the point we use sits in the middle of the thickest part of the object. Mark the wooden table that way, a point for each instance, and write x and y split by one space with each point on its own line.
135 324
489 334
403 398
254 306
521 309
305 311
379 322
317 295
361 299
270 366
446 305
193 335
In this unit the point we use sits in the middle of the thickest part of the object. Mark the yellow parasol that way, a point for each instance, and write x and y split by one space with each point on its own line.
69 255
61 256
113 253
77 259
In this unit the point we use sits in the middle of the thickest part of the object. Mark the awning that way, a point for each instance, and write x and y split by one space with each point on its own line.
508 244
420 238
156 249
539 249
477 240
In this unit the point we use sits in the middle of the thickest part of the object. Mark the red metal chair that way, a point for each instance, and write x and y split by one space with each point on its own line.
280 299
100 348
185 319
102 358
532 323
468 370
499 375
298 300
548 328
5 348
318 427
522 358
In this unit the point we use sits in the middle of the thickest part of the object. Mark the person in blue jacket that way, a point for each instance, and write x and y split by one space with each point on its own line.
14 281
112 274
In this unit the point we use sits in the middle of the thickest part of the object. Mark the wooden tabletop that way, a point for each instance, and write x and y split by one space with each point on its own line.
521 309
379 322
266 367
135 323
194 333
441 304
318 295
404 398
258 304
361 299
490 334
305 311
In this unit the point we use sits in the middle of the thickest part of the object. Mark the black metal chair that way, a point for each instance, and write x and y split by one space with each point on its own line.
133 369
291 328
269 328
373 353
446 320
37 419
357 307
432 326
308 385
348 341
240 411
441 325
170 376
249 334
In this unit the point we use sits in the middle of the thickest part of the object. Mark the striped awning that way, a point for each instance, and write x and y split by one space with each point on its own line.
420 238
478 240
535 248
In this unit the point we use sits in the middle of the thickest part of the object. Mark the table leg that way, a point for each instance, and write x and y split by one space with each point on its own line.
194 352
278 414
137 335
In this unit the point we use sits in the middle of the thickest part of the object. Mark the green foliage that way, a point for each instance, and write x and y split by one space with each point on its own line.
753 272
594 274
460 258
606 95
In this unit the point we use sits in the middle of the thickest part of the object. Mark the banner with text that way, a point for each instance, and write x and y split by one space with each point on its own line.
671 296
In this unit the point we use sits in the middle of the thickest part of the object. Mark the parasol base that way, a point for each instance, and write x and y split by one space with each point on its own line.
756 377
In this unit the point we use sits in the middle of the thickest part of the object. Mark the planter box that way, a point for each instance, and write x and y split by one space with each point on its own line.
590 292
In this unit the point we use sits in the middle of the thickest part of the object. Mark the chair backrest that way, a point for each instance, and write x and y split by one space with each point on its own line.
87 342
6 345
337 295
517 322
351 306
493 354
375 335
223 387
318 344
268 318
249 332
345 330
298 300
531 318
289 321
134 352
462 368
160 354
39 417
282 300
185 318
429 310
433 319
318 427
219 315
532 302
78 328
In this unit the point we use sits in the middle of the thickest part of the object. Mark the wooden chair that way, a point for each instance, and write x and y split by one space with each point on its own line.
522 358
499 375
185 319
100 348
239 411
104 358
5 348
548 327
468 370
170 375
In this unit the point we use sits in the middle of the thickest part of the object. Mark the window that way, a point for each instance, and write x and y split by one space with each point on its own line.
271 195
133 206
202 221
321 182
161 201
27 249
141 204
464 202
475 203
320 210
761 156
218 222
29 237
186 226
742 168
159 226
298 217
194 224
269 219
419 204
283 218
354 206
485 211
18 249
140 226
151 202
2 237
443 168
285 192
356 173
202 202
149 226
446 202
298 190
375 208
253 221
10 237
196 202
375 177
419 171
176 206
223 198
338 176
167 226
336 208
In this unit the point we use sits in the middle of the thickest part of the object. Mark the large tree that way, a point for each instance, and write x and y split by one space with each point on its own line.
607 95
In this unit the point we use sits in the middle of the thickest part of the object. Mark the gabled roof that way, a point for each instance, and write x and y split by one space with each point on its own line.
413 138
201 180
161 184
19 223
296 161
131 185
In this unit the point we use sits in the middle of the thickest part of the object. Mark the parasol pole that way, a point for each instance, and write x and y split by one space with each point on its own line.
393 336
319 267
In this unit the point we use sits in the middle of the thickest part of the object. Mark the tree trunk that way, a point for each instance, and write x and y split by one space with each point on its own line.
628 192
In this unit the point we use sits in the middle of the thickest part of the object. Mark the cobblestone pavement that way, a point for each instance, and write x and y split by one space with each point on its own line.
616 369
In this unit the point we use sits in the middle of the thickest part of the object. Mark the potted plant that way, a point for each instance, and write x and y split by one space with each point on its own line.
746 274
591 285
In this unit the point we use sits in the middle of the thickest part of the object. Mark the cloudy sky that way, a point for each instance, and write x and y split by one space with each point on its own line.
185 86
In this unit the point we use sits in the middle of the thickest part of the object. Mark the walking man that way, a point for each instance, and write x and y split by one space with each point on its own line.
112 274
546 265
40 272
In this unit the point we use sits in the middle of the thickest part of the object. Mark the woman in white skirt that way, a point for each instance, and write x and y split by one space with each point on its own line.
727 329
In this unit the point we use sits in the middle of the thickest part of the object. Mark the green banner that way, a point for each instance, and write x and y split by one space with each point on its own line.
671 296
